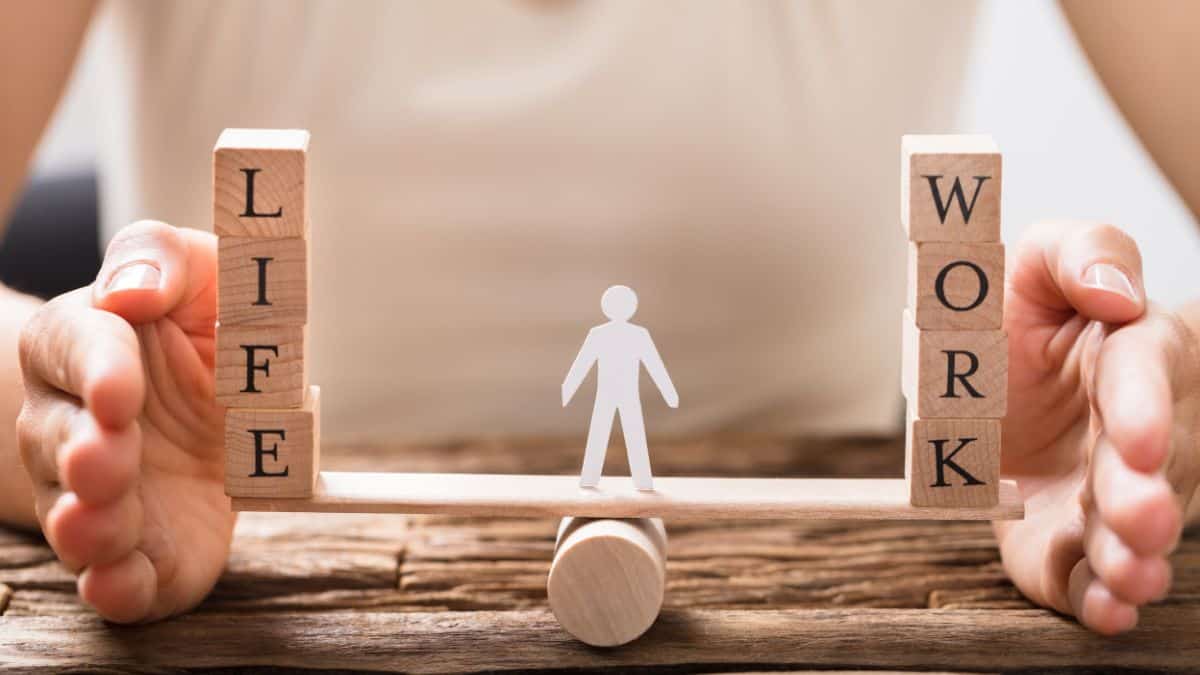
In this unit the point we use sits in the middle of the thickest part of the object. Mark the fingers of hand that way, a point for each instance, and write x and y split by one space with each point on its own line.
122 590
1140 508
43 427
1095 606
152 270
144 272
84 535
1132 391
61 443
86 353
1130 577
1094 269
84 479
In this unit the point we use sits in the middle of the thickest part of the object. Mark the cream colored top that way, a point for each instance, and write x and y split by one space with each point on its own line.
481 171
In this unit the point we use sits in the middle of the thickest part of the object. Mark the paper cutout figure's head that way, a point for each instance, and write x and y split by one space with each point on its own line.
619 303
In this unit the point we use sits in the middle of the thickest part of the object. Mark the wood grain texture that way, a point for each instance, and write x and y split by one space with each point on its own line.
531 639
278 162
954 374
419 593
946 159
607 578
953 463
279 378
273 453
955 286
280 264
517 495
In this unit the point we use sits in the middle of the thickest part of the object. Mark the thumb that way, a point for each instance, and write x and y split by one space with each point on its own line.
1094 270
153 270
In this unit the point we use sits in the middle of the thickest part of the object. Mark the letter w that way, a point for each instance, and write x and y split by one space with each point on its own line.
956 193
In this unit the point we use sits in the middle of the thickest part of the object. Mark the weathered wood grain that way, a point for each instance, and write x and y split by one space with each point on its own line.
392 592
457 641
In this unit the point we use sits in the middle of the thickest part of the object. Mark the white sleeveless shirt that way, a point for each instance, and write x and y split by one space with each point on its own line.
481 171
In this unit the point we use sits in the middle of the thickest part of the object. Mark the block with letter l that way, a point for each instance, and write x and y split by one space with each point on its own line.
952 462
954 373
950 188
273 452
260 183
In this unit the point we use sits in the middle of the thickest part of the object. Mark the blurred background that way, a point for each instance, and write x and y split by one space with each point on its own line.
1029 86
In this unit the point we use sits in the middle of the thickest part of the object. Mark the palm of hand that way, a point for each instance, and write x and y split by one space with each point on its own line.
120 431
1095 411
187 524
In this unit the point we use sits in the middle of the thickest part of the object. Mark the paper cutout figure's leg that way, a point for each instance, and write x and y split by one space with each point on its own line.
635 445
597 443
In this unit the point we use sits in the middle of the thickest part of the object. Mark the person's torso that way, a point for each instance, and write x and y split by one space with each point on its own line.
481 172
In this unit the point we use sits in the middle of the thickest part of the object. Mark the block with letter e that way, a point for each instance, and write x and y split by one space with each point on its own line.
273 452
950 188
952 462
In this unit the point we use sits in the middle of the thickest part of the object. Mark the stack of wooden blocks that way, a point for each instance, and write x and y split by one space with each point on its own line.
955 372
260 214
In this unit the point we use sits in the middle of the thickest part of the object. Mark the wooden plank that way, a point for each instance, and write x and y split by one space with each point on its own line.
511 495
321 585
523 640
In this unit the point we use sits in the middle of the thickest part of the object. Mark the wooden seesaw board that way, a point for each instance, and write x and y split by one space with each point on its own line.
510 495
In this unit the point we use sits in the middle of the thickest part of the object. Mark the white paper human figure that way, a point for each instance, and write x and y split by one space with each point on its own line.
620 348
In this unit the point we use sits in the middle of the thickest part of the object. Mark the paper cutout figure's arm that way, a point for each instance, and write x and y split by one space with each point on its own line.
579 370
658 372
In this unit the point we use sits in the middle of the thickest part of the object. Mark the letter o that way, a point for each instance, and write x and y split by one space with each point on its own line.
939 286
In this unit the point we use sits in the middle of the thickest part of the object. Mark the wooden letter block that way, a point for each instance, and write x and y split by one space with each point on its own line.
955 286
273 452
261 367
262 282
950 188
260 183
953 462
956 374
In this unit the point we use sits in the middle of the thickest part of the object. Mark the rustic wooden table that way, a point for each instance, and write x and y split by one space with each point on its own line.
426 594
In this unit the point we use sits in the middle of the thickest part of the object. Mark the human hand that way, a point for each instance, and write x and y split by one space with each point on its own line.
1104 391
120 431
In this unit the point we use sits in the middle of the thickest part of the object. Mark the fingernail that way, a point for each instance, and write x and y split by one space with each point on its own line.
138 275
1110 278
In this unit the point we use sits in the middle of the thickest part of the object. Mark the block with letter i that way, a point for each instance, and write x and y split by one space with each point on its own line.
955 352
260 215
